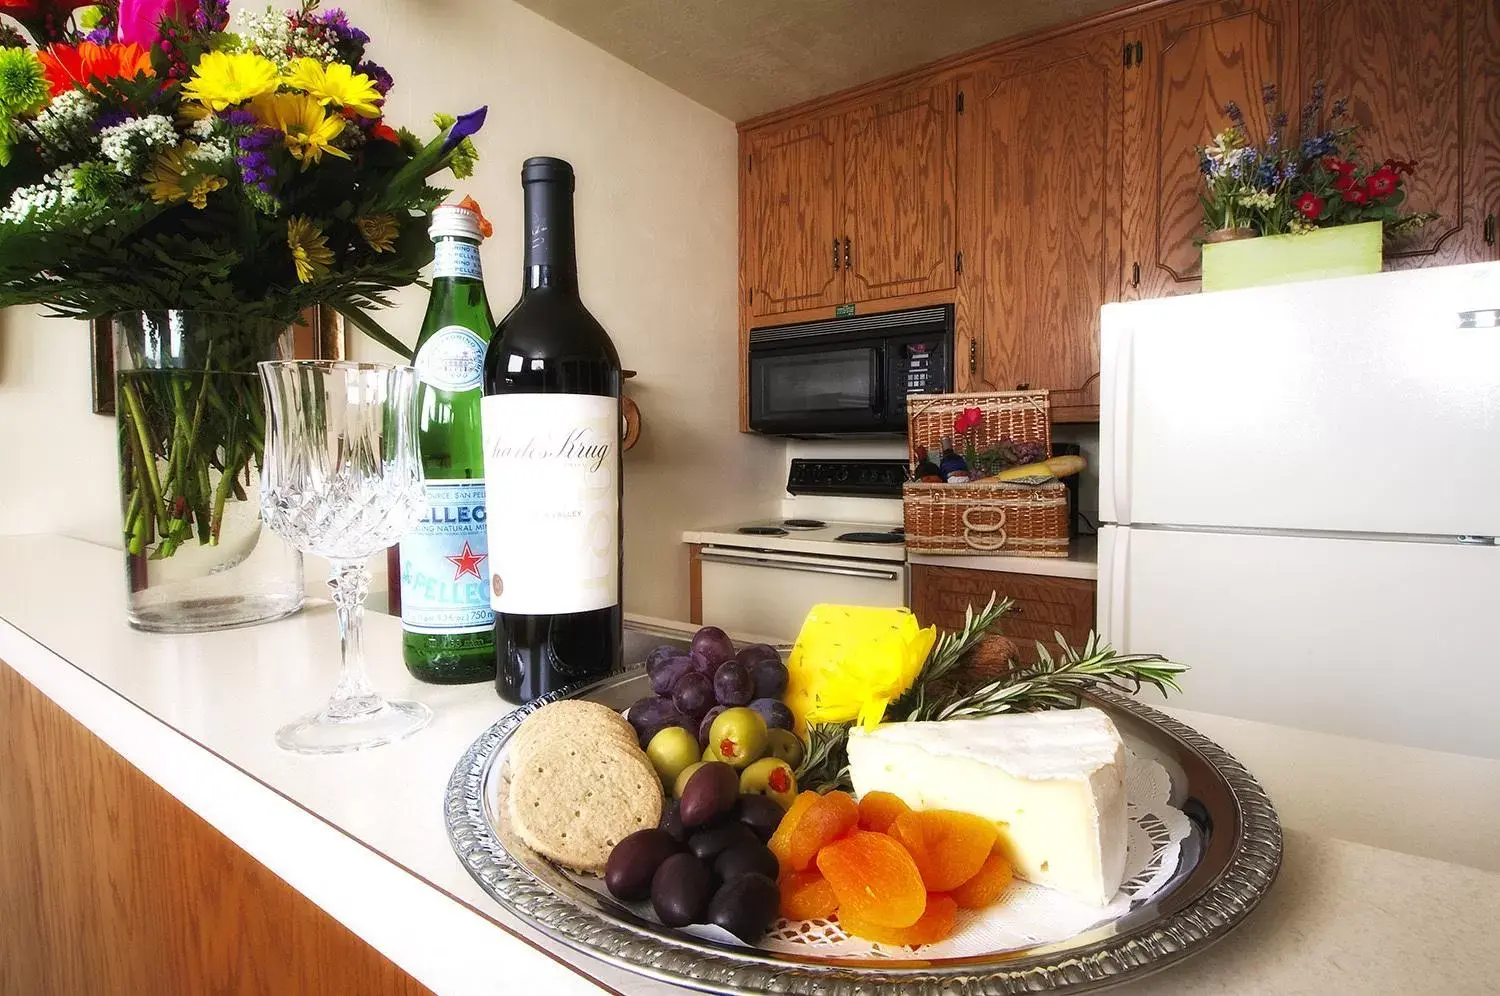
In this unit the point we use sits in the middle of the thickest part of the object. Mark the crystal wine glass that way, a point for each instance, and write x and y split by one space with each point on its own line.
341 478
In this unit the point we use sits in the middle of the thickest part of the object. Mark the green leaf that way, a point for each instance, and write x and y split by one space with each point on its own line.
372 329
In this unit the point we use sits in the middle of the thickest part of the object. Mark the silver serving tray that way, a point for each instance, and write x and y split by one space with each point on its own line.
1227 865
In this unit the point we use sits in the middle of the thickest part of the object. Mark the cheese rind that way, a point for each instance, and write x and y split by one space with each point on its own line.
1053 782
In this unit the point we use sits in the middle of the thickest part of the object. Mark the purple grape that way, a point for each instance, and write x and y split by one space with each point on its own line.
708 721
653 713
769 678
755 653
666 671
662 653
732 684
714 644
774 712
693 695
701 665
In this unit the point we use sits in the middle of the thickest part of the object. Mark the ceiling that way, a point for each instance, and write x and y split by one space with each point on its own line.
746 57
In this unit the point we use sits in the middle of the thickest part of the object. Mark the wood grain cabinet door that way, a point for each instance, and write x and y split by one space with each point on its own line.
1043 606
792 222
1039 217
1414 73
1190 63
899 194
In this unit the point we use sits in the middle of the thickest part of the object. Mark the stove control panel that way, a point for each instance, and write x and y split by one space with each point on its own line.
847 478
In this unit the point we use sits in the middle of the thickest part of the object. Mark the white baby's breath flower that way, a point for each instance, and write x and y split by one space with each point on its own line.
64 125
202 128
41 199
131 143
215 151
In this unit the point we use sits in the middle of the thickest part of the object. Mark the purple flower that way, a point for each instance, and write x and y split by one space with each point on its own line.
1268 93
1340 107
211 16
334 25
238 118
1236 116
100 36
108 119
256 168
378 76
466 125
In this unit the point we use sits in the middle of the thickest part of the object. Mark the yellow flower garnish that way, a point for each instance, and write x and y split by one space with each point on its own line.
851 662
199 196
310 252
222 80
335 83
166 175
308 128
379 231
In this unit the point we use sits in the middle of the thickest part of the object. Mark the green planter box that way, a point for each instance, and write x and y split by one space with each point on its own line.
1345 251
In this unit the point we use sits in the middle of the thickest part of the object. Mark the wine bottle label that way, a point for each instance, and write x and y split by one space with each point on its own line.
452 258
445 563
452 360
552 463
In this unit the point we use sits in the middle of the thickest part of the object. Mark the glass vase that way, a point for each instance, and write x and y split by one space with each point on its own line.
191 420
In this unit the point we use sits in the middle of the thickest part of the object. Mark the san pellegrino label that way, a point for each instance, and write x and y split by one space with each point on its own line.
455 258
452 360
445 563
552 465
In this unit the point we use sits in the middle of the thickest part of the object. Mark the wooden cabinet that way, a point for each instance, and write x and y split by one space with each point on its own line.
1189 64
1039 213
939 596
852 207
1419 87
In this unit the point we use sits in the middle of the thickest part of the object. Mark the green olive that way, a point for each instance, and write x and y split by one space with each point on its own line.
680 782
671 750
771 777
737 737
786 745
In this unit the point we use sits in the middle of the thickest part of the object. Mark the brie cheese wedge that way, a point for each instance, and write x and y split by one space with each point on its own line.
1053 782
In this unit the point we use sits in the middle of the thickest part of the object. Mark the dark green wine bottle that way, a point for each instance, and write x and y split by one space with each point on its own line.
446 620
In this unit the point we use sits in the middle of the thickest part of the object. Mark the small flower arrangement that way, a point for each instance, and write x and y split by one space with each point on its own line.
1318 179
150 158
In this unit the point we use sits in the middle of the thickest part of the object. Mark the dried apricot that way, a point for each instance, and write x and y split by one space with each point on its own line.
948 846
935 923
826 820
878 810
781 841
985 886
806 895
875 880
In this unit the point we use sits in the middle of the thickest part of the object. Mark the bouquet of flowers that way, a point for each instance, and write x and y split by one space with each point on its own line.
153 161
1288 185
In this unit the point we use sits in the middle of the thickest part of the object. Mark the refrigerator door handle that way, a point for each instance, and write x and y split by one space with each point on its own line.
1114 468
1114 564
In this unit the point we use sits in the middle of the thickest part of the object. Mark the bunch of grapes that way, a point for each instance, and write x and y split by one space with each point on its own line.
694 686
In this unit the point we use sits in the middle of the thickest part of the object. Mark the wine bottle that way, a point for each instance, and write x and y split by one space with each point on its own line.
447 624
952 465
552 462
926 470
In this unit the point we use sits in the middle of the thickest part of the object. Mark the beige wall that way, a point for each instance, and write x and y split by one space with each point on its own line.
656 244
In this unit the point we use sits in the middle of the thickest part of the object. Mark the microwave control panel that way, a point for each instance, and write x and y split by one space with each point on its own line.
923 368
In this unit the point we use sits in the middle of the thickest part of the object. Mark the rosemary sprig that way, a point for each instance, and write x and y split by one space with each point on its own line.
1057 684
825 766
948 653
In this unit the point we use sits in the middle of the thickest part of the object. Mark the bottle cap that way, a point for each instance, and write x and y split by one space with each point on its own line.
547 169
463 220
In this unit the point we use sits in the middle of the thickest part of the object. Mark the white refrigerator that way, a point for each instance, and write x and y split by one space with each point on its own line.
1300 497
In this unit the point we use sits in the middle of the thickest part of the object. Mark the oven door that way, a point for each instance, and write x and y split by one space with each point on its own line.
758 591
818 389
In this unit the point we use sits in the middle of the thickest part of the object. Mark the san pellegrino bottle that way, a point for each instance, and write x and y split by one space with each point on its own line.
552 462
446 621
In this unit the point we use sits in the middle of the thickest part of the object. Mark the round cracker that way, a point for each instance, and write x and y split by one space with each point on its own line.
572 803
575 719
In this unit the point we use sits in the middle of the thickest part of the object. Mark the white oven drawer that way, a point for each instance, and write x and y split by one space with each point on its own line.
756 591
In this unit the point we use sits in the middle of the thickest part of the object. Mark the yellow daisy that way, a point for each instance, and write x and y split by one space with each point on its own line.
310 252
379 231
165 177
222 80
308 128
335 83
198 198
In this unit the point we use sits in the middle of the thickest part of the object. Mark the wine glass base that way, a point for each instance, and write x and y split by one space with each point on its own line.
321 733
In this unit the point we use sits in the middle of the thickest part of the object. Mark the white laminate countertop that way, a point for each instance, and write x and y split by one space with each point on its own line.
1082 561
1390 883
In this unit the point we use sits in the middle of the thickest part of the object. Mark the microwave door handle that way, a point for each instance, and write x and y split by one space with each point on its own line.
877 381
806 568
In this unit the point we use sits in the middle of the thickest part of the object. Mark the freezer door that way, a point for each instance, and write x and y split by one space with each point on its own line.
1368 404
1387 641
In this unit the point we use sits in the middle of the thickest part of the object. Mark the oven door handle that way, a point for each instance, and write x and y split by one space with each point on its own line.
876 574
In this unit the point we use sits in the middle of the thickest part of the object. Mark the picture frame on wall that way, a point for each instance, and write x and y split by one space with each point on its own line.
322 334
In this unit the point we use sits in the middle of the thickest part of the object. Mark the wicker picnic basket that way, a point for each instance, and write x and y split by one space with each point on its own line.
992 519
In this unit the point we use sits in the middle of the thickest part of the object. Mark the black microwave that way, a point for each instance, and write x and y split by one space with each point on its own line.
848 376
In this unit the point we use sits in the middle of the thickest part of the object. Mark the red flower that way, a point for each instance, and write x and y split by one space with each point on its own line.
1310 204
1357 195
1382 182
68 66
968 419
1406 167
385 133
1342 167
44 19
1345 182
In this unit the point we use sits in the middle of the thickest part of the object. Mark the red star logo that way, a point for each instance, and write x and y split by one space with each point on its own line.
467 562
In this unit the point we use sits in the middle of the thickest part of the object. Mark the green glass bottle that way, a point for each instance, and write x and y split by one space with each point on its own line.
446 620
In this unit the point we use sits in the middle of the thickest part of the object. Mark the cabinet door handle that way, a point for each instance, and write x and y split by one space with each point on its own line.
835 255
1135 274
973 355
1489 229
1139 54
846 254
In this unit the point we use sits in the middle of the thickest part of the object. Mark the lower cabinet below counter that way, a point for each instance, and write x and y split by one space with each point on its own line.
1044 605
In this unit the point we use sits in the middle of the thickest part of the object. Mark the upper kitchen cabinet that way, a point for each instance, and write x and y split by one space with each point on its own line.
1416 75
898 194
1039 217
792 230
1180 70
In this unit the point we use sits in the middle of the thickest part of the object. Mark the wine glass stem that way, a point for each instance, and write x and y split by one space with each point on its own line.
350 583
